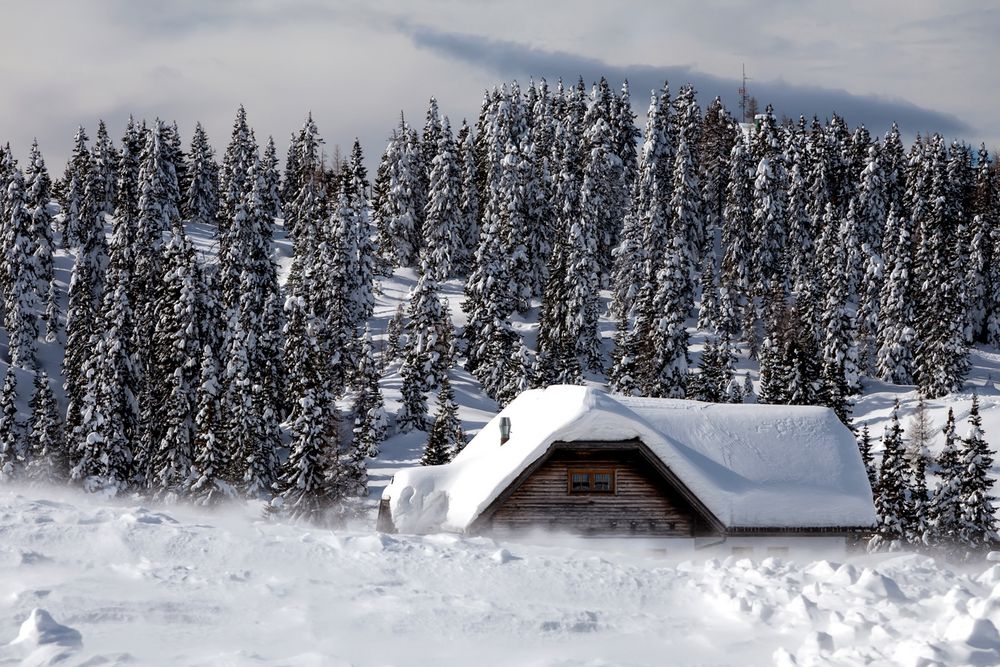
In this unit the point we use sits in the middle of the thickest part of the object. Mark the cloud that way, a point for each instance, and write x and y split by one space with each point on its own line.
511 59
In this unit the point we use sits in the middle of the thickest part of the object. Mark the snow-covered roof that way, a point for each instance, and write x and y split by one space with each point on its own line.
752 466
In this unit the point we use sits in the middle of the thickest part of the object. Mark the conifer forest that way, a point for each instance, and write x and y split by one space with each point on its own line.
826 255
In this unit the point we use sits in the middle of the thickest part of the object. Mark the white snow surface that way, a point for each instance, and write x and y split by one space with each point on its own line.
85 580
751 465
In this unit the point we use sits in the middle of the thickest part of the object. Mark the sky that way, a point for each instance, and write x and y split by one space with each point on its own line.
926 64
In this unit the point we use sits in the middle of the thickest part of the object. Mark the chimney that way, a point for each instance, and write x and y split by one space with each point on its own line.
504 429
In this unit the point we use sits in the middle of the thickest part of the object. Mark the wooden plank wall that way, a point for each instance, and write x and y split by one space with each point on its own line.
642 504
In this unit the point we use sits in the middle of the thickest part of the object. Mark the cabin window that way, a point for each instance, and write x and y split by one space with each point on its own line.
591 481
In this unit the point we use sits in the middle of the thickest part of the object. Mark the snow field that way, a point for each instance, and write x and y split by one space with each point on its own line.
86 580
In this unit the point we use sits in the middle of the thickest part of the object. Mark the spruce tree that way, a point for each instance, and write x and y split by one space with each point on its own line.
46 445
12 444
977 523
890 493
442 221
946 502
38 192
445 438
201 200
370 422
304 486
211 464
21 278
865 448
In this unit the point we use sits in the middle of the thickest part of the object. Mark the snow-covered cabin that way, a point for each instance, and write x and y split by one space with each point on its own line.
582 461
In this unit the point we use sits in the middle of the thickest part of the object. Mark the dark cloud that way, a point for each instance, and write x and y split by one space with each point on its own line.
510 59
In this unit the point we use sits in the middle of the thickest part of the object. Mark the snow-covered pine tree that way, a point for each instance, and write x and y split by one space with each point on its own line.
630 255
839 375
21 279
38 192
442 215
46 443
716 144
302 195
394 337
715 372
768 225
211 465
573 259
271 195
445 438
12 443
104 163
370 421
253 467
672 301
601 189
304 486
977 522
361 302
176 365
865 448
234 176
76 177
201 200
890 492
469 198
790 359
946 502
397 215
895 333
736 282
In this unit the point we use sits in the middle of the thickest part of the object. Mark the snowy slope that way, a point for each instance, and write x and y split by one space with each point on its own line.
122 583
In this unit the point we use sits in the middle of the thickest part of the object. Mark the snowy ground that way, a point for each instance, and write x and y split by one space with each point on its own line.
135 584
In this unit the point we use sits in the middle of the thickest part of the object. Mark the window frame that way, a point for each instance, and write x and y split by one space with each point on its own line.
592 481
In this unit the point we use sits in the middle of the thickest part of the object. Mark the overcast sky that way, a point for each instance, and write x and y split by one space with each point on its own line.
929 65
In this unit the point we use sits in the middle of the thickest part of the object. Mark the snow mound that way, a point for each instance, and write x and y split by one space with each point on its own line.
751 465
43 641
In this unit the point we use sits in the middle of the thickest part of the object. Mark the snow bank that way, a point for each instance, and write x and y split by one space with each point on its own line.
751 465
43 641
225 587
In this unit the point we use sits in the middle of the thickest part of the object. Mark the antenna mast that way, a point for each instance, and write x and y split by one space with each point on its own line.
744 94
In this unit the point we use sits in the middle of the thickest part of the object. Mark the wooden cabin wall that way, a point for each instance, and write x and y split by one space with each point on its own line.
642 504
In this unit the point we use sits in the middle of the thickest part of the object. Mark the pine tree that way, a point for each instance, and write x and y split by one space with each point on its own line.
442 222
21 278
445 438
271 194
210 466
469 198
865 448
46 446
12 445
736 280
305 486
38 192
890 492
398 213
393 334
201 201
104 163
370 421
946 502
977 523
235 175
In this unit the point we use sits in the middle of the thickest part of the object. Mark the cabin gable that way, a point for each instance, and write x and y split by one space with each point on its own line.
598 488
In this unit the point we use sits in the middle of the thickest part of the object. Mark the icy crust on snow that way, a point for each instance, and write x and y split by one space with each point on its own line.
751 465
